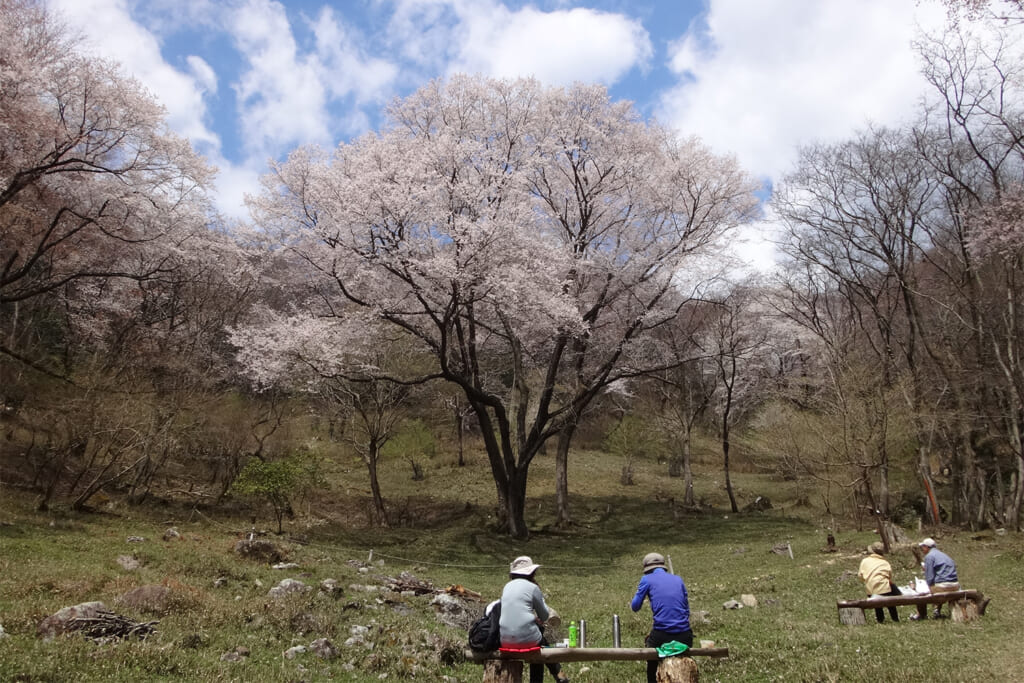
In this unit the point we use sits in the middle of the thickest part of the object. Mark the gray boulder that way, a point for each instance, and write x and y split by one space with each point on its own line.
60 622
150 599
323 648
287 587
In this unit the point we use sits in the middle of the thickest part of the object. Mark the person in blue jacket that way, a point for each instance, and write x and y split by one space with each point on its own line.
670 605
939 571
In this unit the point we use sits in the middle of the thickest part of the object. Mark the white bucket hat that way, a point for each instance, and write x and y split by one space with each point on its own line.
523 566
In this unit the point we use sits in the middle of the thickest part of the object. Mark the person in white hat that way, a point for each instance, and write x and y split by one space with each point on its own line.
670 605
523 613
939 571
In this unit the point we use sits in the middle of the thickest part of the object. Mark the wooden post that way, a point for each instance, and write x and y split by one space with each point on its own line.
851 616
510 668
963 610
677 670
503 671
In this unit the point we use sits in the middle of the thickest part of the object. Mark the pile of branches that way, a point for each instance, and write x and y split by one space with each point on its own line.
406 582
105 626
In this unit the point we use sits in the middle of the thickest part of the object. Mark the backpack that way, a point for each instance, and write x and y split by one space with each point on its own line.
485 633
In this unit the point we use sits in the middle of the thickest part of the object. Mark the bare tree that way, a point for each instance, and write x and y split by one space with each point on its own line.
369 412
685 390
735 341
857 212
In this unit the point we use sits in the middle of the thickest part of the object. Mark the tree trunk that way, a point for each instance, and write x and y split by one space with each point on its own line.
380 512
509 479
883 482
516 499
688 498
562 516
675 459
728 481
460 428
1018 497
924 469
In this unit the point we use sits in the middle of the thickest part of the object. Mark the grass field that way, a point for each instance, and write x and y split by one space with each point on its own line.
52 560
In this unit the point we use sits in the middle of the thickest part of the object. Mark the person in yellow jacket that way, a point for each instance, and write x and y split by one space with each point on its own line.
876 573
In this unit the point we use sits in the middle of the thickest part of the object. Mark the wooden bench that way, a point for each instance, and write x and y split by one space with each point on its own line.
965 605
507 667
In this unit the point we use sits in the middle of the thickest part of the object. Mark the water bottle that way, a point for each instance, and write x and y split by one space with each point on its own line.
573 633
616 637
583 632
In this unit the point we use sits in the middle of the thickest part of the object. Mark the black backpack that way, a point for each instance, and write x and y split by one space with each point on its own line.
485 634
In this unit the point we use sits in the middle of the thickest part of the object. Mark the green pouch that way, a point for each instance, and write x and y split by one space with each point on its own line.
672 648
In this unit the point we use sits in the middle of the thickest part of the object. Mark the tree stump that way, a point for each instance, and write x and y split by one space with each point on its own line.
510 671
963 610
851 616
677 670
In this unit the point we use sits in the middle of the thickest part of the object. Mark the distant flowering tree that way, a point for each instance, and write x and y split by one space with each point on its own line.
94 188
111 276
527 239
1006 11
998 226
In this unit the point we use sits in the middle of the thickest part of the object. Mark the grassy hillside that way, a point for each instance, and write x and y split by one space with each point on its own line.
219 600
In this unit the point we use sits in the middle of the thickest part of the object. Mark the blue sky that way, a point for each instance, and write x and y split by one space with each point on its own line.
249 80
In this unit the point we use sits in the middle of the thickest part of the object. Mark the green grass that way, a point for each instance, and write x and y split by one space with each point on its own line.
48 561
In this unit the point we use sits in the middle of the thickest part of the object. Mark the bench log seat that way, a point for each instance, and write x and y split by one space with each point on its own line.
507 667
965 605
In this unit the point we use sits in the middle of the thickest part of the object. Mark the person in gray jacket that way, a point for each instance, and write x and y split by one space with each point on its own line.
523 613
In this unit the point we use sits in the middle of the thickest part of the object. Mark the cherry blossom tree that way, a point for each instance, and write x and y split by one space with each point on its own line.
93 185
527 238
1009 12
115 277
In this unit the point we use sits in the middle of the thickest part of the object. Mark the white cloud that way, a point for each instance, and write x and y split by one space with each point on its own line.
347 69
203 73
234 182
762 78
422 34
483 36
281 99
110 32
556 47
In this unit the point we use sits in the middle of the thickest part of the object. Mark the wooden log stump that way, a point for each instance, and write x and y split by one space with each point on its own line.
502 671
851 616
963 610
677 670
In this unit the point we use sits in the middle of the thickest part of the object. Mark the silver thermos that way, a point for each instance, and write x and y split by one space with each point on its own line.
583 632
616 637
